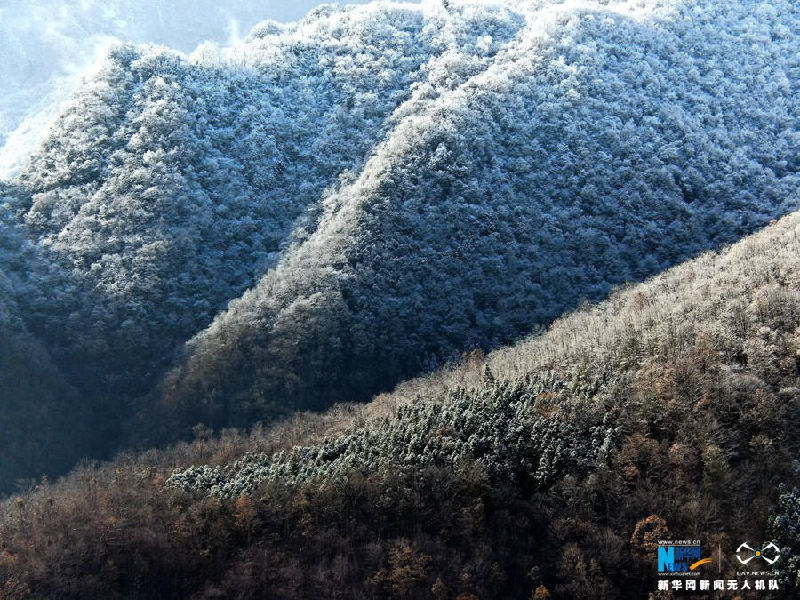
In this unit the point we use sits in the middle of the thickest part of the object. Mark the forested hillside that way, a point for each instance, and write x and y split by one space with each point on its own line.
341 203
592 150
547 469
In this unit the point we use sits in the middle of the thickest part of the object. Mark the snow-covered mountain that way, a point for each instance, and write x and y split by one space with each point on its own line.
335 204
542 470
47 45
593 147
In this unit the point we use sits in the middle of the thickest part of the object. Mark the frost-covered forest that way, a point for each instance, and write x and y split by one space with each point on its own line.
453 300
330 206
46 45
543 470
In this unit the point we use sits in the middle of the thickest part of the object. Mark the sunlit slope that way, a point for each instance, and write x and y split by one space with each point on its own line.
548 467
170 186
47 44
716 335
335 205
601 145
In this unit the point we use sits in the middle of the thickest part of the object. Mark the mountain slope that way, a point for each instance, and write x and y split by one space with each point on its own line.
596 148
712 330
375 189
171 184
669 410
672 405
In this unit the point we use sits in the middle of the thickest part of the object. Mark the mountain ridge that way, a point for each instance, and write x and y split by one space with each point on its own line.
376 189
367 207
707 300
471 480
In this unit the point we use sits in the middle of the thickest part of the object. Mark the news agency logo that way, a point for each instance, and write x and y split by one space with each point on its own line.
677 561
676 558
769 553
